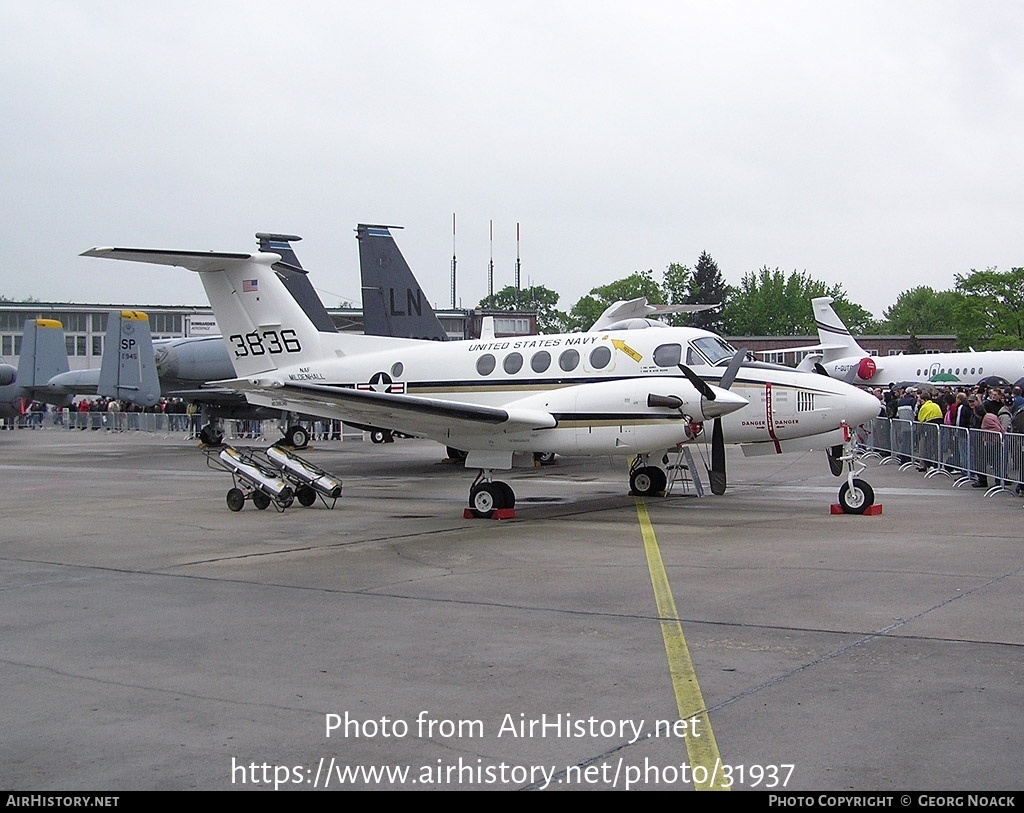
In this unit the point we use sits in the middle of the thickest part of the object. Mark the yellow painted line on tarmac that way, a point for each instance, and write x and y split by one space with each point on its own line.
701 751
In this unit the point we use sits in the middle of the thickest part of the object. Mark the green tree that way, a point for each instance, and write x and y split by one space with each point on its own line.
588 308
535 298
768 303
675 283
706 287
991 314
921 311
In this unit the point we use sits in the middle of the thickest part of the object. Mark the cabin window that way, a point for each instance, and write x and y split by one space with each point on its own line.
668 355
513 363
485 364
600 357
541 361
569 360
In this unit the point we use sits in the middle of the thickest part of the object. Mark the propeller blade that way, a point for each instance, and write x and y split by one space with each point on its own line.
734 367
698 382
716 474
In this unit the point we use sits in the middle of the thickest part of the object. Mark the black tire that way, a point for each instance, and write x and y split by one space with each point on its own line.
260 500
306 495
211 436
856 500
544 458
378 436
647 481
297 437
485 499
508 495
235 499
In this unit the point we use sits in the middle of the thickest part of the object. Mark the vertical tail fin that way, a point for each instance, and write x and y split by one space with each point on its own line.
128 368
832 333
263 326
296 279
393 302
43 353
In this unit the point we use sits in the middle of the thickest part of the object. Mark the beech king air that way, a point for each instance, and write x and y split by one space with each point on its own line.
634 393
842 357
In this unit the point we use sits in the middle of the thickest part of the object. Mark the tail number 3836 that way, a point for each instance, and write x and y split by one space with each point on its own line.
261 343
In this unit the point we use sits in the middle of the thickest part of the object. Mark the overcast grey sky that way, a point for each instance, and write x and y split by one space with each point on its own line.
872 144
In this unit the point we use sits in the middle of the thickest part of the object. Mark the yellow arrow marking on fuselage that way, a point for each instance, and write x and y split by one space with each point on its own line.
625 348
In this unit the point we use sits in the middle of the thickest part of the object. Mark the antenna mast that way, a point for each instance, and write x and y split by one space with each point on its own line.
453 260
490 265
517 263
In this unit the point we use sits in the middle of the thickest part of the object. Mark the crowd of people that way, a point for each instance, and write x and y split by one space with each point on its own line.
113 414
988 408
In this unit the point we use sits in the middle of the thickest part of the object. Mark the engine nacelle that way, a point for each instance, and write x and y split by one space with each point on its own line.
866 369
7 374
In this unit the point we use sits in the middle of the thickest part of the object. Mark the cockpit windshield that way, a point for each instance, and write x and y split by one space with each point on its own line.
713 348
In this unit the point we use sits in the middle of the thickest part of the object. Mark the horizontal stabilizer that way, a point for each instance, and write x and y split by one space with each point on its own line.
192 260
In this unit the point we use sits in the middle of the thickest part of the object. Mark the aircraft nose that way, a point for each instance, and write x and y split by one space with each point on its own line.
861 406
724 403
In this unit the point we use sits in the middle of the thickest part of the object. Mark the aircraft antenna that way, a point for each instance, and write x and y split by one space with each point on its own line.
453 260
490 265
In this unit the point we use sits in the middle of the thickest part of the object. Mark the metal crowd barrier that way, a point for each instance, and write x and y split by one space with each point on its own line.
964 455
168 425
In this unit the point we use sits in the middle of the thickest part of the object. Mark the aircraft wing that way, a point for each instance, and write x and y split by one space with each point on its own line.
409 414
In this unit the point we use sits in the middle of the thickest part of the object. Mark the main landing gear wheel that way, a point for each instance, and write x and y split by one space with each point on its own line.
380 436
235 499
647 481
509 500
261 500
211 435
856 499
297 437
486 498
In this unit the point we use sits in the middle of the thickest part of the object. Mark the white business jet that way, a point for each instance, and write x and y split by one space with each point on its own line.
631 393
841 356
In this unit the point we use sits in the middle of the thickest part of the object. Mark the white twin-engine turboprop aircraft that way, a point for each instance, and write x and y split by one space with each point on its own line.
635 393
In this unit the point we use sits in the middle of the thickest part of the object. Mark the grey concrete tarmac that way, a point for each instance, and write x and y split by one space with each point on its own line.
155 640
